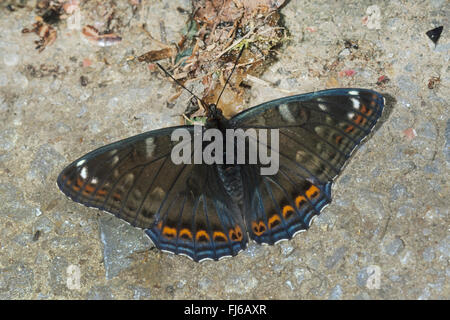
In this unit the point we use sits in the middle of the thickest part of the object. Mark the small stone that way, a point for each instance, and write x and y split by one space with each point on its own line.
286 248
361 278
444 247
437 3
181 284
16 282
253 250
100 293
23 239
3 79
13 205
338 254
428 254
120 240
45 159
345 52
10 59
8 139
336 293
241 284
43 224
406 258
20 80
140 293
204 283
447 142
427 130
37 212
398 191
301 274
58 275
290 285
395 247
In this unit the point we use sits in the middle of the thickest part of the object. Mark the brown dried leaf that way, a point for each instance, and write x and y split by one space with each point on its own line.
156 55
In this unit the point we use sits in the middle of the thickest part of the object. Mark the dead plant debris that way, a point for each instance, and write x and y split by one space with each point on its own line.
211 39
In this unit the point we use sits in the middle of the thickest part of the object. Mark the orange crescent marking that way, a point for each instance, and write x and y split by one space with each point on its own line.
88 189
287 209
312 192
273 219
235 234
201 233
299 201
219 235
349 128
360 119
101 192
117 196
185 232
258 227
169 232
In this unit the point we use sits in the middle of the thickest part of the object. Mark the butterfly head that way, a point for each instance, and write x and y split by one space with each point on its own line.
215 115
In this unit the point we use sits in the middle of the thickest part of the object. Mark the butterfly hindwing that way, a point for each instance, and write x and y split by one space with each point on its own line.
317 135
183 207
279 206
200 221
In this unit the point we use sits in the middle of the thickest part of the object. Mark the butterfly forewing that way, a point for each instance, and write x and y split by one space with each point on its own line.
183 207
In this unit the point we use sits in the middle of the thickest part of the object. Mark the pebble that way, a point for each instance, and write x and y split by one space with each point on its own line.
3 79
140 293
332 260
16 282
336 293
100 293
394 247
428 254
290 285
11 59
120 240
45 160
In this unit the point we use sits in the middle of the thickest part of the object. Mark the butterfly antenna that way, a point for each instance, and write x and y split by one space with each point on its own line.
232 71
179 83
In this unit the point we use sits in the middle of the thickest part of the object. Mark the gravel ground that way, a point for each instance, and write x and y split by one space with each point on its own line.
385 236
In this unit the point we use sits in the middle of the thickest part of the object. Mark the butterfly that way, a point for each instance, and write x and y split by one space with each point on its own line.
212 211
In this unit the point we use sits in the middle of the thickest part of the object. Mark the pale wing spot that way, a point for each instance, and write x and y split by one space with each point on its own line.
157 193
350 115
149 146
129 178
286 113
319 130
356 103
94 180
322 107
114 161
300 156
84 173
81 162
353 92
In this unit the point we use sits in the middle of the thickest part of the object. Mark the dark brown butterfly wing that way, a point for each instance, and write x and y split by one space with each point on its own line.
318 133
183 208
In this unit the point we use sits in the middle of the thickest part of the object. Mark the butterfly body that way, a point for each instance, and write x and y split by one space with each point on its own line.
211 211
